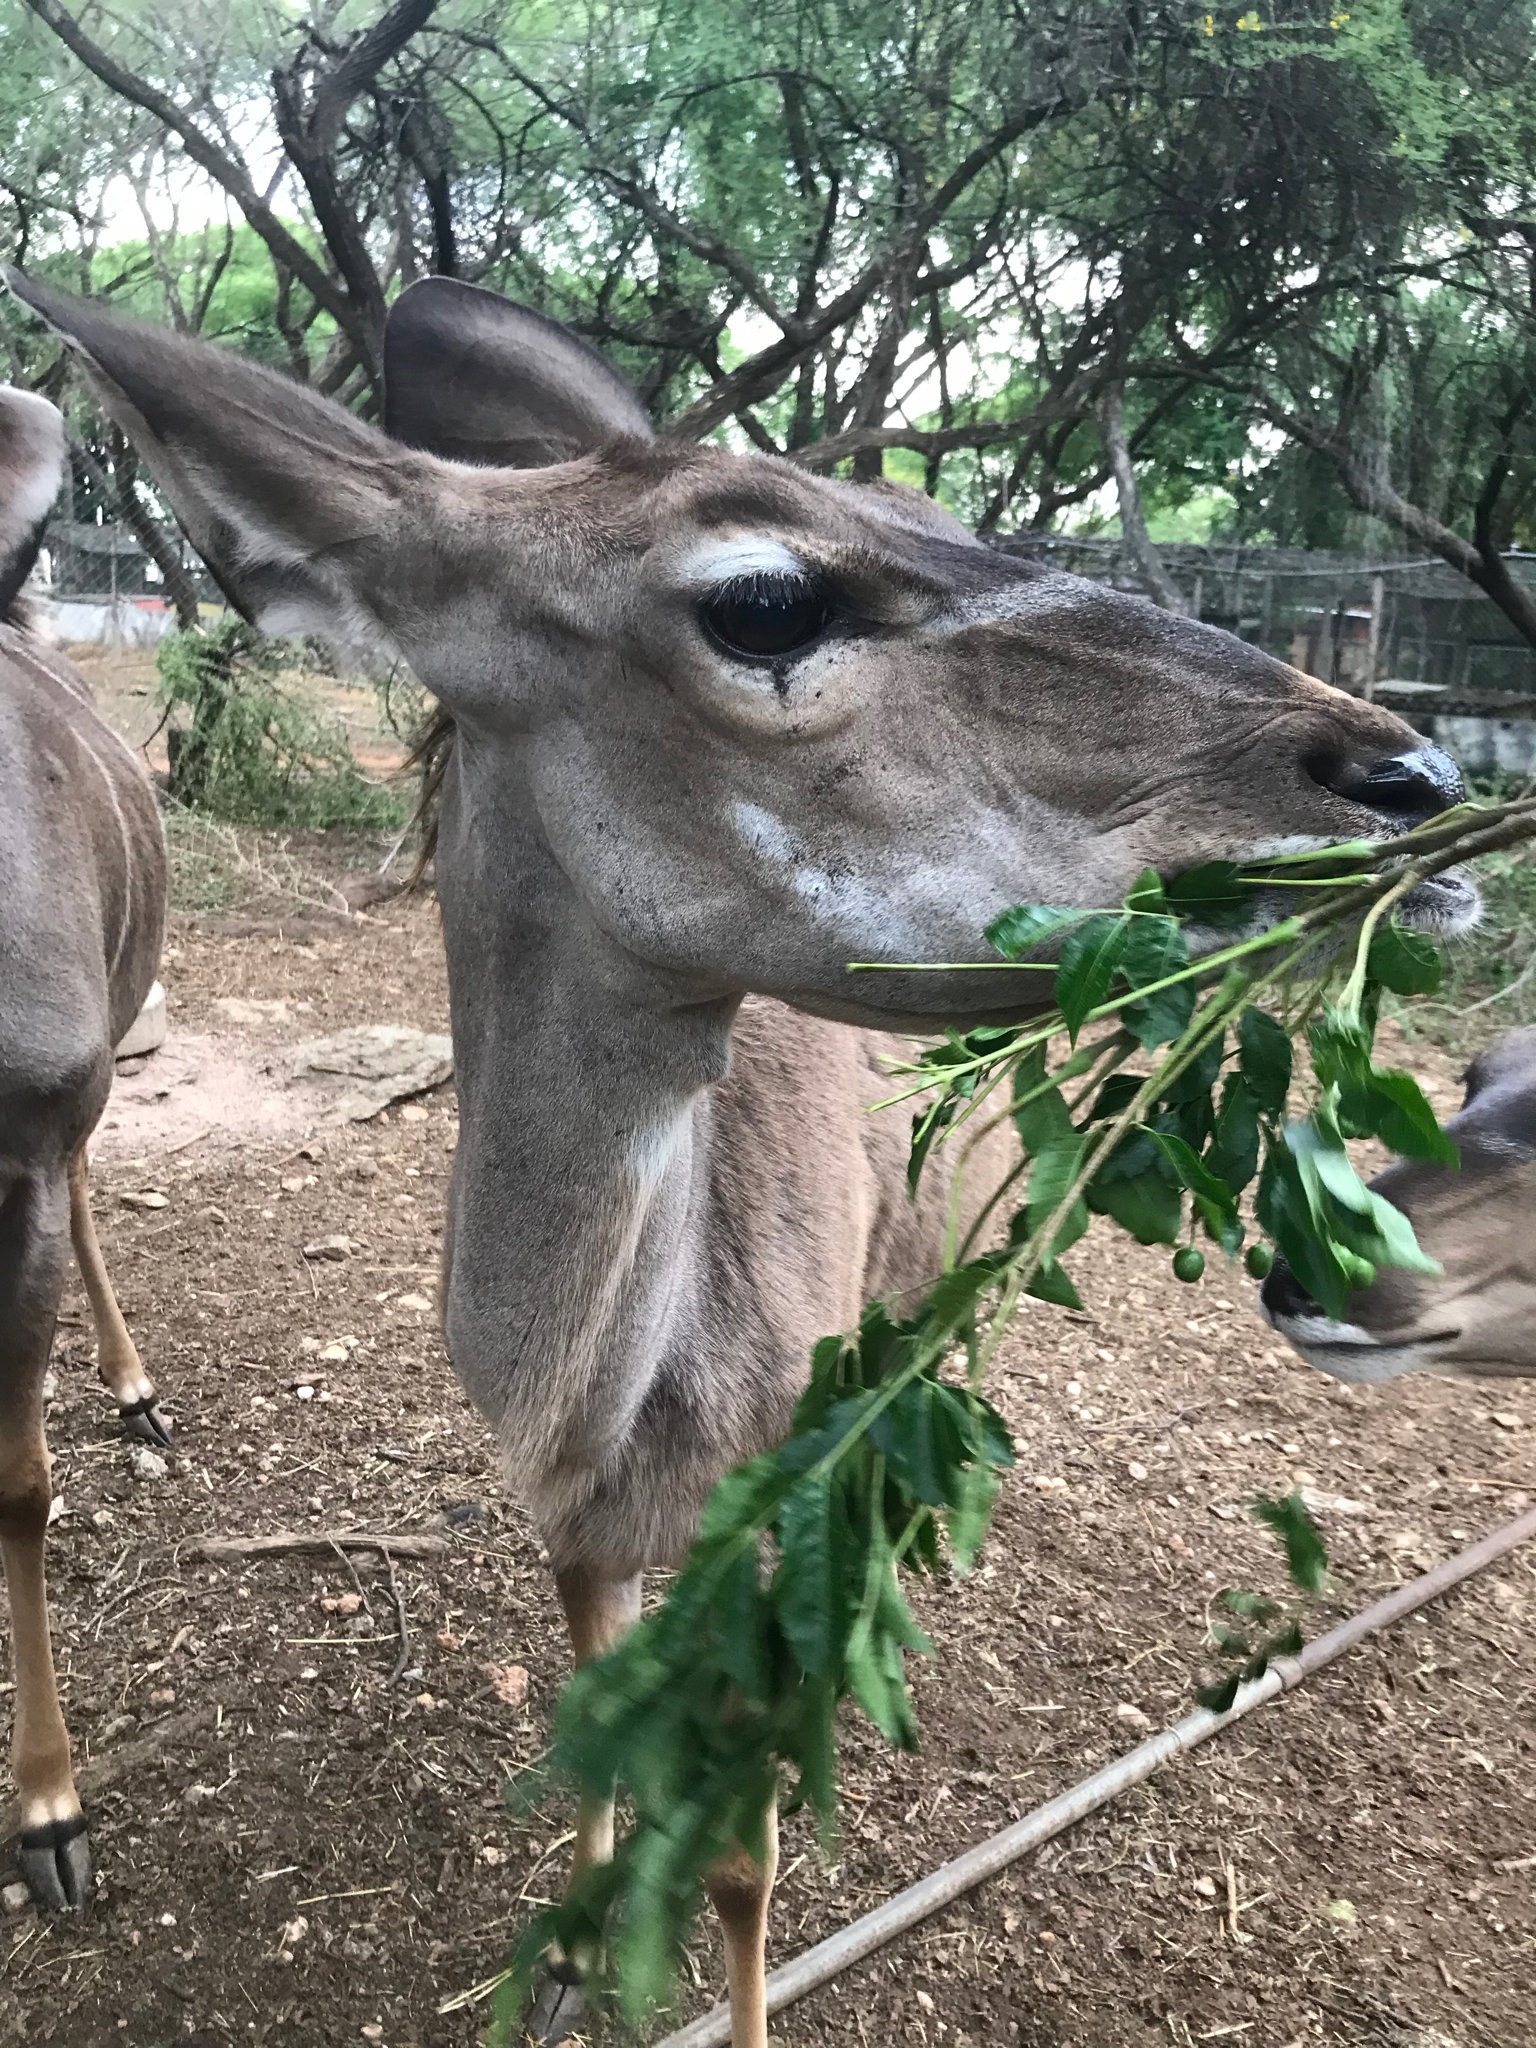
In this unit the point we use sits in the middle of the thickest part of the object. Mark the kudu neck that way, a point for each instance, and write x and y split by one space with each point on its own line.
582 1154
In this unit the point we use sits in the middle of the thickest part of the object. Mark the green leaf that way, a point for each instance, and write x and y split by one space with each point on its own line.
1052 1284
1233 1153
879 1684
904 1434
816 1752
972 1514
1254 1607
809 1593
1390 1105
741 1497
1213 1198
1040 1113
1089 958
1018 932
741 1624
1146 893
1213 894
1155 948
1220 1697
1264 1058
1149 1205
1306 1553
1286 1214
895 1617
1406 962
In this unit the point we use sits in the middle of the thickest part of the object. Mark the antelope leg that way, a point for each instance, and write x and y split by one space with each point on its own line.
53 1855
117 1358
740 1888
598 1611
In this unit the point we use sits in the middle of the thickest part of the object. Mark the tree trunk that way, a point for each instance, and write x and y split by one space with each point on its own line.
1160 586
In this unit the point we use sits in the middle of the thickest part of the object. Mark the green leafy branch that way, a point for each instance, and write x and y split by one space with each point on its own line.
1169 1109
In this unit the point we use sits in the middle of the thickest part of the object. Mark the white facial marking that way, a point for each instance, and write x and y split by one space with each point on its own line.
725 561
1343 1350
1014 602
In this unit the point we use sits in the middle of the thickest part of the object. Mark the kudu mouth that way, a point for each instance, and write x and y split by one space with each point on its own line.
1402 791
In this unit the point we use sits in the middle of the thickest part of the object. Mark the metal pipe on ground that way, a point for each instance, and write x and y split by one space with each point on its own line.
829 1958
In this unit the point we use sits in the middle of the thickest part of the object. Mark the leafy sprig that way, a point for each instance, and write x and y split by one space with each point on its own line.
1170 1109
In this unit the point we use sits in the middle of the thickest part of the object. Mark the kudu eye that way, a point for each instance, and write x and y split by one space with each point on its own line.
761 618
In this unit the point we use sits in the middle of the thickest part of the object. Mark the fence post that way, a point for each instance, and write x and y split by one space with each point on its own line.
1373 639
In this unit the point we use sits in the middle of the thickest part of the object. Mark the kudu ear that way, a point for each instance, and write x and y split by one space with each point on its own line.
470 376
33 455
296 506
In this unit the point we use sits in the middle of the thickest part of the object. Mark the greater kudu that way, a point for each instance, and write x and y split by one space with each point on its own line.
722 726
1476 1317
82 911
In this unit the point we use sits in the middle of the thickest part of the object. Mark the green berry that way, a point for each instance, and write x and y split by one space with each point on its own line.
1188 1262
1357 1271
1259 1260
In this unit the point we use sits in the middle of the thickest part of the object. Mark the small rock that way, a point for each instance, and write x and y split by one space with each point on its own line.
419 1302
293 1932
251 1009
15 1897
1132 1716
1505 1418
414 1113
1206 1887
509 1682
334 1354
144 1198
339 1246
309 1672
296 1183
1343 1911
373 2032
489 1853
163 1696
148 1464
55 1509
167 1919
304 1391
1136 1470
925 2000
341 1603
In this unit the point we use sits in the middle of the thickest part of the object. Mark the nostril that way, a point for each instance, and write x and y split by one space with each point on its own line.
1413 785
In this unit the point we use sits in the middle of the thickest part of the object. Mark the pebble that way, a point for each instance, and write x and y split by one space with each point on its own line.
339 1246
1136 1469
144 1198
15 1897
1505 1418
1133 1717
148 1464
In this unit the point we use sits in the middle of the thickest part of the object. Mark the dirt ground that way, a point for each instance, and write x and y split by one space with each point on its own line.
298 1816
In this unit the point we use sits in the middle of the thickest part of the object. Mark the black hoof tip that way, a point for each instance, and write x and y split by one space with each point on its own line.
559 2011
144 1420
55 1861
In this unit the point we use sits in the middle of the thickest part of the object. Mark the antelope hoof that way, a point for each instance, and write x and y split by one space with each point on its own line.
559 2011
143 1419
55 1861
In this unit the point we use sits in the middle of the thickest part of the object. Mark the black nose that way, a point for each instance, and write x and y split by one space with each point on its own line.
1410 786
1283 1294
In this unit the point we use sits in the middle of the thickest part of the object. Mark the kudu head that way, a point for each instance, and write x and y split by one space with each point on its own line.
764 722
32 464
1477 1315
